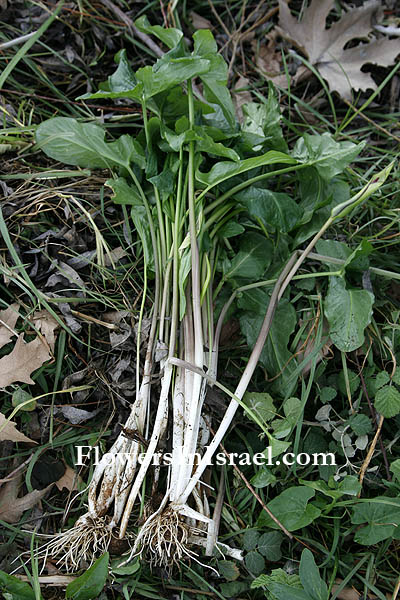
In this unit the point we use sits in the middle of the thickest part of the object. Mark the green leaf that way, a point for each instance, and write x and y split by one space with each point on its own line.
91 583
252 260
222 171
276 447
395 468
228 570
250 539
262 478
170 37
354 381
329 157
275 357
348 313
291 508
387 401
15 588
215 81
262 404
129 569
157 79
269 545
310 577
274 209
82 144
327 394
348 486
20 396
360 424
396 376
277 576
382 520
231 229
264 120
281 591
254 562
382 379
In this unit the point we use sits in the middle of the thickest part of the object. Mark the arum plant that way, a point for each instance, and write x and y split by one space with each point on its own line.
185 178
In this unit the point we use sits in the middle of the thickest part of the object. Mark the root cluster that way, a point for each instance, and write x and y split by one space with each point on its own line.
86 541
164 539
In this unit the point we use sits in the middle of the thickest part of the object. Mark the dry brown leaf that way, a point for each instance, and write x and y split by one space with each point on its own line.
8 318
12 507
114 256
268 60
324 48
22 361
8 431
69 480
46 325
200 22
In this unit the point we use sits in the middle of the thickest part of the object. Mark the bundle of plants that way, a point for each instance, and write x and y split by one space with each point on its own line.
204 193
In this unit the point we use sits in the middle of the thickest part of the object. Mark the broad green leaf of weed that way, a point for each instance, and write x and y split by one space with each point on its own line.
269 545
382 520
310 577
262 478
395 468
348 312
228 570
265 120
15 588
291 508
215 81
274 209
360 424
170 74
222 171
89 585
277 576
275 357
250 539
254 562
328 156
262 404
170 36
252 259
387 401
66 140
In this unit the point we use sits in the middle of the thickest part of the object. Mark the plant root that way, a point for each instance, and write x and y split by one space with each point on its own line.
164 539
86 541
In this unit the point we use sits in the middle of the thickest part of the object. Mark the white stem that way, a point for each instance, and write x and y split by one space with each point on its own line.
159 425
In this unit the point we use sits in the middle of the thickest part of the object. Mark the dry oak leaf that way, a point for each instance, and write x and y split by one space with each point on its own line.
47 326
324 48
12 507
8 319
22 361
8 431
69 480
